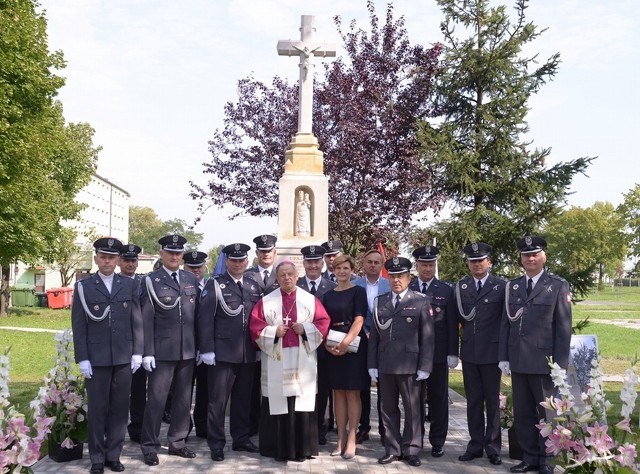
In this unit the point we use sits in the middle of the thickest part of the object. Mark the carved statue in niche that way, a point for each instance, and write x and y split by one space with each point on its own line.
303 215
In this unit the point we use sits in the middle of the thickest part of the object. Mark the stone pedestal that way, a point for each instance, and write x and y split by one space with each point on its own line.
303 214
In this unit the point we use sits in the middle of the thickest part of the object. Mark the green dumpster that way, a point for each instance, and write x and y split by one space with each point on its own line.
23 295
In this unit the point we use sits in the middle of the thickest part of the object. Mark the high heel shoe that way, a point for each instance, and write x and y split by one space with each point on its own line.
348 455
336 452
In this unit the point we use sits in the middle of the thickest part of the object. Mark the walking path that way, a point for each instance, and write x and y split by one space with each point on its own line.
366 460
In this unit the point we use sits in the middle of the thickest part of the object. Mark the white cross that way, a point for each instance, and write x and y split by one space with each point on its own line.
307 49
286 320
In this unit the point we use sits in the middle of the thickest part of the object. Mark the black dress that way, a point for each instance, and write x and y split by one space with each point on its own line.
349 371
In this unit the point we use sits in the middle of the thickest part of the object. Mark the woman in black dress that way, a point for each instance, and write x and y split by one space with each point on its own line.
347 307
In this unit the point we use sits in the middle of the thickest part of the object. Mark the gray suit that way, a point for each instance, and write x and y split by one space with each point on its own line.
543 329
272 281
398 352
169 336
232 375
108 345
480 314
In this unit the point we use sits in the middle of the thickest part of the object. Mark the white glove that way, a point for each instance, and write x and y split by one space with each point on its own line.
505 367
422 375
136 362
452 362
198 358
208 358
85 369
373 373
149 363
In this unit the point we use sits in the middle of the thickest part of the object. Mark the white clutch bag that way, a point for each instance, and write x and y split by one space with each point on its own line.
335 337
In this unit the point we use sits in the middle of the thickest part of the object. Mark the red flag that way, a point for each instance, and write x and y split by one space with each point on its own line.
384 272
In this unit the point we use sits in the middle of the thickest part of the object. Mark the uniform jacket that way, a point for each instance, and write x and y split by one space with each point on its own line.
324 286
406 346
115 339
227 336
170 334
272 282
383 287
444 318
480 336
543 330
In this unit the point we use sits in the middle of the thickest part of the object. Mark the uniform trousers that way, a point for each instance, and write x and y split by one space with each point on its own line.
437 386
180 373
137 403
108 396
229 382
528 391
391 387
200 377
482 387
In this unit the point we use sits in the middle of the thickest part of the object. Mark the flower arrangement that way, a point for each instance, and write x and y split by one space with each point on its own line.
20 436
506 411
579 436
63 397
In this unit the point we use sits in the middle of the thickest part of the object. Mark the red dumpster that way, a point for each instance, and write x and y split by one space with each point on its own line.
59 298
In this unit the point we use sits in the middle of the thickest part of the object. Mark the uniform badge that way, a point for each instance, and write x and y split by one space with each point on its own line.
527 240
253 288
438 309
96 307
516 286
427 249
157 280
486 300
124 304
409 320
204 293
264 239
330 244
132 248
190 300
237 247
222 286
396 261
474 246
167 299
175 239
110 242
194 255
463 286
312 250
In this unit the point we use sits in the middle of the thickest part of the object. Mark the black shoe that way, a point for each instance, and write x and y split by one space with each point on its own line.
96 469
322 440
217 454
151 459
467 456
525 467
389 458
182 452
247 446
300 459
495 459
437 451
361 437
546 469
281 459
412 460
115 466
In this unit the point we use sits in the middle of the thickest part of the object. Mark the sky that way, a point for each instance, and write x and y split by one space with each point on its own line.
152 78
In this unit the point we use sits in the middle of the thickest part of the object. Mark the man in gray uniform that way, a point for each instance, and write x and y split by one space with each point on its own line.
314 283
108 342
536 324
264 273
479 304
401 356
227 351
169 309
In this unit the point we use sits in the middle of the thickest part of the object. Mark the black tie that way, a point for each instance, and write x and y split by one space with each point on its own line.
424 288
529 286
175 278
333 277
266 277
239 285
397 301
313 288
479 285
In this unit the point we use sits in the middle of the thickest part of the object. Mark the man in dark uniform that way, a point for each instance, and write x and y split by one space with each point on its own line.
314 283
400 355
479 303
536 324
194 262
264 273
169 309
227 351
332 248
108 341
446 343
138 399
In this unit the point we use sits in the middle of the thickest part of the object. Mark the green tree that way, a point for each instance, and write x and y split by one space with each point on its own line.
214 253
145 228
583 239
630 212
498 187
67 255
44 162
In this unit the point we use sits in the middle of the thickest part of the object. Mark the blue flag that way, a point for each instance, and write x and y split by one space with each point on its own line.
221 266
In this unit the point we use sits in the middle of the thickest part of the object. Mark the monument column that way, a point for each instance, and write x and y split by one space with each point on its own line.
303 214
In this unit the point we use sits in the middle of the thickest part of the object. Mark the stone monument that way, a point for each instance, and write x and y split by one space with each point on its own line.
303 214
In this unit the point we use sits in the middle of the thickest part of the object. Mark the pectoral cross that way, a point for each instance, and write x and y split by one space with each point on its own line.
286 320
307 49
